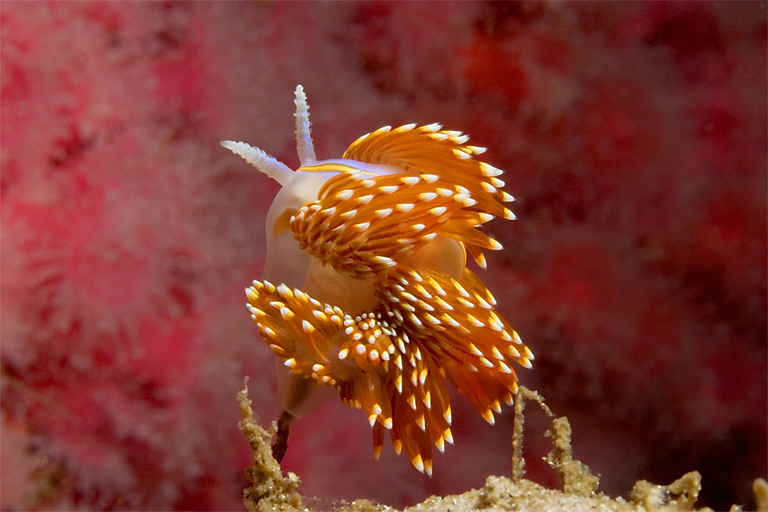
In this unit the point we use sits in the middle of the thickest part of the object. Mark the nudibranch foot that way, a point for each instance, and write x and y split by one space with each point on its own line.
366 292
281 439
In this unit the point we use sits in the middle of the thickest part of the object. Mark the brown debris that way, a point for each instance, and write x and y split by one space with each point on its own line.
518 462
679 495
271 491
760 488
576 477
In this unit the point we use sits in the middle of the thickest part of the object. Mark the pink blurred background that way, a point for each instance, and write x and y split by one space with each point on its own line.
633 136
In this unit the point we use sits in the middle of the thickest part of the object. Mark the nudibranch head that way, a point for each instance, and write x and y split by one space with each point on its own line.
366 291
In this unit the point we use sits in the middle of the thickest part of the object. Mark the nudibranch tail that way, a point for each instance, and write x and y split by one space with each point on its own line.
377 303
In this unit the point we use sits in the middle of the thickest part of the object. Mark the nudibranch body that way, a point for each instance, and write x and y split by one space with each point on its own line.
366 291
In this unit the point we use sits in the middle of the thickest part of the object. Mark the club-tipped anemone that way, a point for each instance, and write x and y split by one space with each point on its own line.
366 291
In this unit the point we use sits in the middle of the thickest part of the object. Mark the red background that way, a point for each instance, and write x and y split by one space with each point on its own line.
633 136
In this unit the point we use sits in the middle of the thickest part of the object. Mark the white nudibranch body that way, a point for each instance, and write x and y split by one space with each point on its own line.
366 291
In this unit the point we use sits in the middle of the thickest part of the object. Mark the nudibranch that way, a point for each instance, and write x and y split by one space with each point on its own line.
366 291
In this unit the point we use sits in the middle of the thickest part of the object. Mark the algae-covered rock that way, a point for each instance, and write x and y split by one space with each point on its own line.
271 491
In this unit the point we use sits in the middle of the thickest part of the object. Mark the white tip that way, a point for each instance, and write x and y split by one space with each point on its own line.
529 354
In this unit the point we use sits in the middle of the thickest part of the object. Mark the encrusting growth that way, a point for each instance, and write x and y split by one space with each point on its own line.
271 491
366 290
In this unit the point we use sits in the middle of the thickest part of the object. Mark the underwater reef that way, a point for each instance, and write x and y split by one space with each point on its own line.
632 134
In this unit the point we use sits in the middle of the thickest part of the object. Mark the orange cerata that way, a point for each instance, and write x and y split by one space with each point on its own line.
366 291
